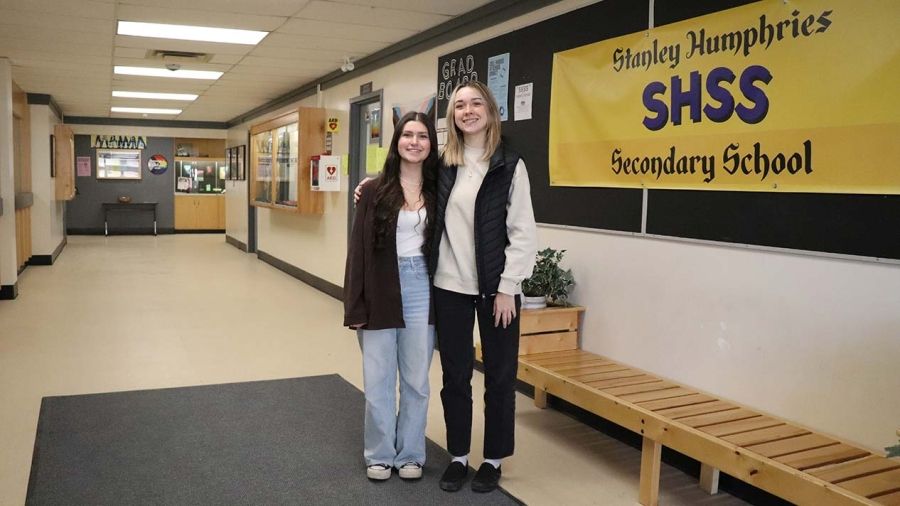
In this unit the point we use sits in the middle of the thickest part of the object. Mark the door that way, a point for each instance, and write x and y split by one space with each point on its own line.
366 129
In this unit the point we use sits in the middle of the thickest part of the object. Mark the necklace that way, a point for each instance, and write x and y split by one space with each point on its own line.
411 183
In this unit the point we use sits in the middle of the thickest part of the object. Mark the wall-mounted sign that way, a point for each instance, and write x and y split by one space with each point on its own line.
325 173
365 88
83 166
157 164
769 96
332 126
119 141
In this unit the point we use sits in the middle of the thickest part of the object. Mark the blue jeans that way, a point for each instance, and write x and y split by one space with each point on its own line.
391 438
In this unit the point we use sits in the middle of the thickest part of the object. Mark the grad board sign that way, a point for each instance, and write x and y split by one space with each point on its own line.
792 96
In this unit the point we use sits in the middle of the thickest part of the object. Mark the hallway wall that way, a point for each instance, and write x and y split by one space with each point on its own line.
47 214
811 339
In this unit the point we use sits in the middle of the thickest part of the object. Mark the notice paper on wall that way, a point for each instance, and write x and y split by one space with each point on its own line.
522 108
83 163
498 82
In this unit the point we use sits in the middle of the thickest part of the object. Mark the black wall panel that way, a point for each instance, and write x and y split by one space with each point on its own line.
867 225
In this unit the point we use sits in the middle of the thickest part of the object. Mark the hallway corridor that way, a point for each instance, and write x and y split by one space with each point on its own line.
142 312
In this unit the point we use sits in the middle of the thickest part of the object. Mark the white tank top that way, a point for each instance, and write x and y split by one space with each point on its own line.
410 232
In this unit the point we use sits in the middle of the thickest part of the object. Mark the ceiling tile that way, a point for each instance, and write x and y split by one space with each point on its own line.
198 17
72 8
370 16
349 31
270 7
446 7
66 48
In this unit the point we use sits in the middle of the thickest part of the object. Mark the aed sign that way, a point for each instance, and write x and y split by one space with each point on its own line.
332 125
325 173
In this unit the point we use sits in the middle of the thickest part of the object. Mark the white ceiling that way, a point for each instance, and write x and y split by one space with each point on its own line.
67 48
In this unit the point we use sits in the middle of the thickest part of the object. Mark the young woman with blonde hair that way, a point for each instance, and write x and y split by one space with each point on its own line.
484 245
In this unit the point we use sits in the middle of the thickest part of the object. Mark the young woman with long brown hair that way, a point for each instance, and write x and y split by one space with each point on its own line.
387 298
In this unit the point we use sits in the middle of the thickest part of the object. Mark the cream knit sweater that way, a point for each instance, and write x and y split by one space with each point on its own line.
456 269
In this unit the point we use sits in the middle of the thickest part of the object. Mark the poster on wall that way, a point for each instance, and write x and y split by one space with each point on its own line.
770 96
157 164
83 166
425 105
498 82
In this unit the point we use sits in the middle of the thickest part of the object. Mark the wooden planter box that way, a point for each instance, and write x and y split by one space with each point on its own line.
549 329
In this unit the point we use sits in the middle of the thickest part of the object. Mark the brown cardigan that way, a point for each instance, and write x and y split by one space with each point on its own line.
371 276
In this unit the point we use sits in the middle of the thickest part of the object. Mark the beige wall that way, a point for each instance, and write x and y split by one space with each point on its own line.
814 340
8 267
47 214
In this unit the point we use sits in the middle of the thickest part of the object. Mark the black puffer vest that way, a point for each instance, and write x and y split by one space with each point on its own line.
490 217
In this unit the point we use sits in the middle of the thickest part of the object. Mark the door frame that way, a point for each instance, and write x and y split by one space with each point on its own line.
357 105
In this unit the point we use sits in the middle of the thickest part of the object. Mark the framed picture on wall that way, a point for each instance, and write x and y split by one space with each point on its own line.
52 155
229 161
242 162
119 164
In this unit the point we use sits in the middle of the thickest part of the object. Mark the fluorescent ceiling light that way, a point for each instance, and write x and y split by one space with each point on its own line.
185 32
145 110
158 72
156 96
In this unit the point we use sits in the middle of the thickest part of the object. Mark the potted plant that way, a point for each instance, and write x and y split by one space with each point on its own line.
894 451
549 282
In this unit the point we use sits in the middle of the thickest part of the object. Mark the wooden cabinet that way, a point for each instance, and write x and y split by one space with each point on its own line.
204 148
280 152
64 161
199 212
553 328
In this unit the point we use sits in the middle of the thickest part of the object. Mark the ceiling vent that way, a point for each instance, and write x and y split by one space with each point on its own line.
178 57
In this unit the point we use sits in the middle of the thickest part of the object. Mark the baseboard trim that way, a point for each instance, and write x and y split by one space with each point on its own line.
100 231
201 231
48 259
40 260
310 279
236 243
59 249
9 292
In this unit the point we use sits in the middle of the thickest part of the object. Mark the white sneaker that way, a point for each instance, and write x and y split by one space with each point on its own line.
378 472
411 471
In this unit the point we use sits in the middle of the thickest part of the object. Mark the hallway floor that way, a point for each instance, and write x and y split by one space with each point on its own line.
140 312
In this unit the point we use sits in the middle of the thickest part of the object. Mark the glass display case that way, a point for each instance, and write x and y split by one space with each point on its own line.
200 175
280 151
286 174
262 176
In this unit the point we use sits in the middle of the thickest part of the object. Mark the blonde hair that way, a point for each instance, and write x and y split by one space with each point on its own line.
454 150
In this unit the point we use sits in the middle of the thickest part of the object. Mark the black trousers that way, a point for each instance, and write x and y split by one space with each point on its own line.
454 320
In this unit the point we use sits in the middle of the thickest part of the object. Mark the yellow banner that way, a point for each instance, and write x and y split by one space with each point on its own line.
797 96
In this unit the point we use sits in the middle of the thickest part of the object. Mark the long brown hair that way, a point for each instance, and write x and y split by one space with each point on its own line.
454 150
389 194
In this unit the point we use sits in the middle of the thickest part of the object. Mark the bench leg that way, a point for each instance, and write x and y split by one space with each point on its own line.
709 479
540 398
651 453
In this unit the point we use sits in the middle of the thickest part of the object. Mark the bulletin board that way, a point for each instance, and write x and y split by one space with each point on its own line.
851 224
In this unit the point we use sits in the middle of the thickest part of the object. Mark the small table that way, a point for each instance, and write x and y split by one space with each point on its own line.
130 206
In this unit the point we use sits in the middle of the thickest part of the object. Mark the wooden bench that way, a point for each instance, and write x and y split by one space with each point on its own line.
785 459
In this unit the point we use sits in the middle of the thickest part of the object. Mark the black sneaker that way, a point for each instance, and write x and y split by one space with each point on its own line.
486 478
453 476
